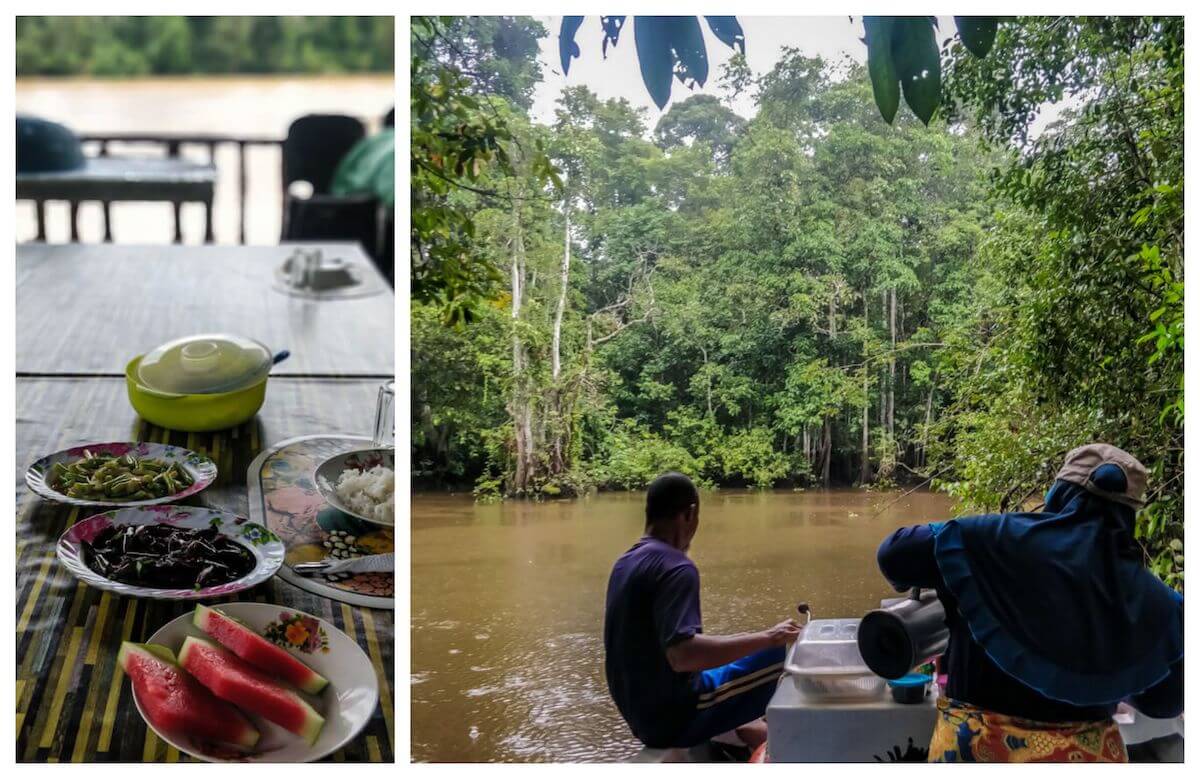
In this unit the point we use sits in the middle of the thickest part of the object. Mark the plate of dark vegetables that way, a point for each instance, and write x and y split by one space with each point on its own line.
170 552
120 474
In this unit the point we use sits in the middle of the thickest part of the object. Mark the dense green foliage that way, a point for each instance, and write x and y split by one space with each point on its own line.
467 75
1085 339
743 297
812 296
116 46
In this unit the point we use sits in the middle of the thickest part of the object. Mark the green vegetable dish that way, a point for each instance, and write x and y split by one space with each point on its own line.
108 477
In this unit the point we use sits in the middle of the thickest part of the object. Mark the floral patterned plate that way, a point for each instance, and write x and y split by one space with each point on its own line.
347 703
266 547
330 471
202 470
284 497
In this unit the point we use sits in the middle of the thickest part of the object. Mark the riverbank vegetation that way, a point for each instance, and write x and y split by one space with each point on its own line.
131 46
810 296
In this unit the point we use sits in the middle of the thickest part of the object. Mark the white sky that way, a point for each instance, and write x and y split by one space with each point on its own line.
832 37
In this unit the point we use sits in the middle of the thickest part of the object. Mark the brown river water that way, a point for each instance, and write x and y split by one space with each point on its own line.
508 603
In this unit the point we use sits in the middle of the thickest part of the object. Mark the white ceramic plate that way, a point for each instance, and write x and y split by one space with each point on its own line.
202 470
347 703
328 472
266 547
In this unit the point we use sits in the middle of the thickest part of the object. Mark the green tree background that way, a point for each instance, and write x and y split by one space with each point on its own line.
811 296
129 46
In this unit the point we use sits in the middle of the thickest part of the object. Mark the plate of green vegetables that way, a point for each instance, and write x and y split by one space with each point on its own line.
120 474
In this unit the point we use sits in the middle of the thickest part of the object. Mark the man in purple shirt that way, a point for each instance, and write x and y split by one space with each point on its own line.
675 686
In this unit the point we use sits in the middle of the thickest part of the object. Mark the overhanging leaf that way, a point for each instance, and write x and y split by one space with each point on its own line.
687 43
728 31
978 33
652 37
918 64
567 47
885 84
612 32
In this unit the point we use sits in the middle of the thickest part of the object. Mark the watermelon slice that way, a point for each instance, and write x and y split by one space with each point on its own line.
232 679
244 642
176 703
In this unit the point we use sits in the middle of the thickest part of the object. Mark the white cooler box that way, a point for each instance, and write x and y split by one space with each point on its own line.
801 730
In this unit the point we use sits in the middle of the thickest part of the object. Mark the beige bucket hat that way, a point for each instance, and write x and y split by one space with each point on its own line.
1082 462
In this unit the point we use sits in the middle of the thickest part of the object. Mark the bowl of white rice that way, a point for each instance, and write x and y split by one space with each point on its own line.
362 484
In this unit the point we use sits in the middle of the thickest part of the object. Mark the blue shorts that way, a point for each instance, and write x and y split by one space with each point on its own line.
732 695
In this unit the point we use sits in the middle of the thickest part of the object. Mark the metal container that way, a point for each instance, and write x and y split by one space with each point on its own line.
903 633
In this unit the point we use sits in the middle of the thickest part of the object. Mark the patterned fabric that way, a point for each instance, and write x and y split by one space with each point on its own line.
966 734
73 702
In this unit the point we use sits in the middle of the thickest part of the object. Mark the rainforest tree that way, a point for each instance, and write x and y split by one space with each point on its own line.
812 295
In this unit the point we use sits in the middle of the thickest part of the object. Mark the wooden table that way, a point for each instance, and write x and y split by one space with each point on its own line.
83 310
114 179
90 308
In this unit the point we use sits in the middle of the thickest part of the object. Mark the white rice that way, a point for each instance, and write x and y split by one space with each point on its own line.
369 493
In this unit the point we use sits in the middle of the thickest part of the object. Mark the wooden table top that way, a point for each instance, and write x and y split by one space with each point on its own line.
123 178
90 308
73 704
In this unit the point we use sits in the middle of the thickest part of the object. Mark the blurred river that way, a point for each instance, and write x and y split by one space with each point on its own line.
235 105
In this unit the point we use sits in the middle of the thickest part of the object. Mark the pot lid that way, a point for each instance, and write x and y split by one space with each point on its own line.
911 680
205 364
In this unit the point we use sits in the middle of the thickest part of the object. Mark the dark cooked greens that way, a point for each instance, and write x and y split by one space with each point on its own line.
167 557
109 477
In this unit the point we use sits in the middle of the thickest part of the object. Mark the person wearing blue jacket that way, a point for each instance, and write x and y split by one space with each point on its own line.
1054 619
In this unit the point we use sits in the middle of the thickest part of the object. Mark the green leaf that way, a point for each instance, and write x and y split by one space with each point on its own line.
567 47
884 82
611 25
728 31
978 33
687 42
651 36
918 63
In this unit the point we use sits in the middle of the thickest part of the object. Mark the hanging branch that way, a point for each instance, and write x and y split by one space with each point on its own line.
640 276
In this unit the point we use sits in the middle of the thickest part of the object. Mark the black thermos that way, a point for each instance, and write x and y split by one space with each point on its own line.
902 634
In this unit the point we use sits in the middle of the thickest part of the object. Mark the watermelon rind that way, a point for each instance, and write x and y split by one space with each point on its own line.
312 684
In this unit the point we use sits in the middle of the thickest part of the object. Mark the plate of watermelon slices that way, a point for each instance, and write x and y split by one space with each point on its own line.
240 683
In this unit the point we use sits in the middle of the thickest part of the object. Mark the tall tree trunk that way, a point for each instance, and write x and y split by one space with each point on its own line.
806 447
826 451
928 419
891 414
564 275
864 475
519 409
559 422
883 398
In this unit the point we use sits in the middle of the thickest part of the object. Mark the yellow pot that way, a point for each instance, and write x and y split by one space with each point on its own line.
193 413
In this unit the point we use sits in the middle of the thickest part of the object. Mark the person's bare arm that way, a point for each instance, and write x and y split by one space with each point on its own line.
701 652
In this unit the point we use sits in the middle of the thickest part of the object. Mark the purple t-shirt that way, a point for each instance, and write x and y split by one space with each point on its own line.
653 601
